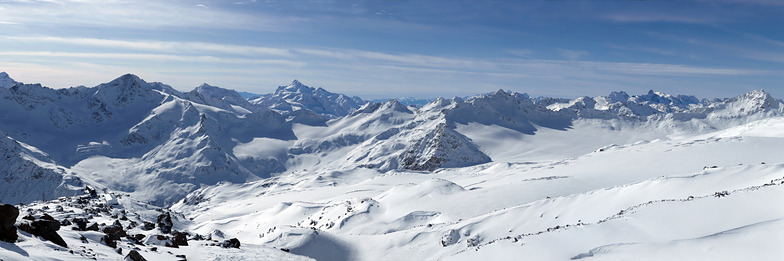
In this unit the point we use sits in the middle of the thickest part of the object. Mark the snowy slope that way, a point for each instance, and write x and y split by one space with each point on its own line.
330 177
408 101
29 174
220 98
160 145
518 209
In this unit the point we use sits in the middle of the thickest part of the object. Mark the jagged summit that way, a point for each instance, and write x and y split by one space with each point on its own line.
6 81
297 96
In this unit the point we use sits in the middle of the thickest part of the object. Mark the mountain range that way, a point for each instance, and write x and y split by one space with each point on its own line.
210 147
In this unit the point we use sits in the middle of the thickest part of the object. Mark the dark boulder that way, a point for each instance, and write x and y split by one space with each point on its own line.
46 229
137 239
114 231
109 241
165 223
231 243
93 227
148 226
134 255
180 238
8 215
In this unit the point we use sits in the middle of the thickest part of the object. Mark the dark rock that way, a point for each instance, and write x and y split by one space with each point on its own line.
165 223
90 191
231 243
181 258
65 222
93 227
137 238
132 224
29 217
180 239
106 239
162 240
197 237
148 226
81 224
8 215
114 231
84 239
26 227
47 217
47 229
134 255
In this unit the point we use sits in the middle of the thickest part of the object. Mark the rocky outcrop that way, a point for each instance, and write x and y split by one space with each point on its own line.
44 228
8 215
165 223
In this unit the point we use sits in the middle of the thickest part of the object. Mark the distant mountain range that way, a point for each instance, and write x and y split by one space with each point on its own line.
173 142
335 177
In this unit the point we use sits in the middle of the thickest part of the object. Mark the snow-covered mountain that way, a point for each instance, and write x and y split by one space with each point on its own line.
333 177
6 81
29 174
408 101
297 96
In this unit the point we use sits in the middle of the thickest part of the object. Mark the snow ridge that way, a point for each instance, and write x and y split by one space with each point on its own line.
297 96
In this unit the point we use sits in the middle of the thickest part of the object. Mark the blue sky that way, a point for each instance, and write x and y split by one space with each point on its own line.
379 49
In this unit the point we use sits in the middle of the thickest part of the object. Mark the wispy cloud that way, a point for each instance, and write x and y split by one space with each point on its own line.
659 18
572 54
158 46
153 57
143 14
409 59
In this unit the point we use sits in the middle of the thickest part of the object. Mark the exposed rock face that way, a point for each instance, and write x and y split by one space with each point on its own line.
442 147
165 223
8 215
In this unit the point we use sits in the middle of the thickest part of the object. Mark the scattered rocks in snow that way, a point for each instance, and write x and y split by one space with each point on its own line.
721 194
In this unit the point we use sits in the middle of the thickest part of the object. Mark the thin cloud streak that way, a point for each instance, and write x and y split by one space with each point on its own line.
142 14
160 46
154 57
658 18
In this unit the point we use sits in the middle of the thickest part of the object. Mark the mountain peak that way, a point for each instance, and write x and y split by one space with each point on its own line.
128 80
296 83
6 81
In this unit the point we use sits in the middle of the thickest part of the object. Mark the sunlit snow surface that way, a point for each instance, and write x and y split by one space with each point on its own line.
504 210
499 176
